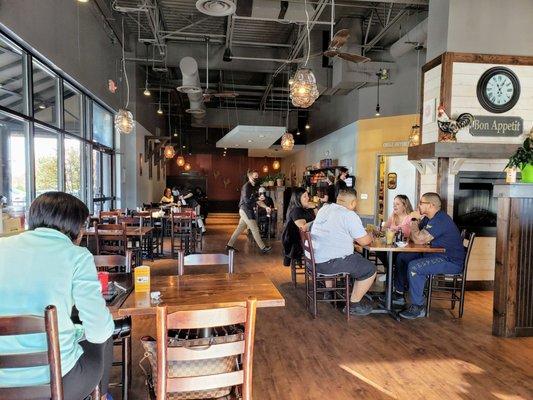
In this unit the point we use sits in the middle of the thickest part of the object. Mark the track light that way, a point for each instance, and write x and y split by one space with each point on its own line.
378 108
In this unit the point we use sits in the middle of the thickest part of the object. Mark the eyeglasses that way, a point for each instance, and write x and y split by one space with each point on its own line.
424 202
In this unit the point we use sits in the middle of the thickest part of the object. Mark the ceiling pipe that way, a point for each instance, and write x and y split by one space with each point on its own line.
415 37
191 81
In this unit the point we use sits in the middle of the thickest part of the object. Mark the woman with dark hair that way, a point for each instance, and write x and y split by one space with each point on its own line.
299 214
167 197
43 266
340 184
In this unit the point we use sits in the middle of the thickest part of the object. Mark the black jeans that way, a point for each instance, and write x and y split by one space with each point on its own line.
91 369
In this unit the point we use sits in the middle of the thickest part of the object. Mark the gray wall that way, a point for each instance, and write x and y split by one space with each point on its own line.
480 26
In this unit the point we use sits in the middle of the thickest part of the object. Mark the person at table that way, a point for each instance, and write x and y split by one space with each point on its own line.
400 219
167 197
329 194
438 230
333 233
266 214
299 215
247 204
43 266
340 184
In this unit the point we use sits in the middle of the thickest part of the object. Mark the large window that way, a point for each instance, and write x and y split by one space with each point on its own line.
68 134
46 161
13 179
73 167
12 78
102 126
72 109
45 88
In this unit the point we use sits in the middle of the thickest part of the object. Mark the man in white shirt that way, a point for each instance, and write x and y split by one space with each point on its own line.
333 233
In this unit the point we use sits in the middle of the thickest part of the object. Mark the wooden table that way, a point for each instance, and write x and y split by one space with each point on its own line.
189 292
380 245
126 281
130 231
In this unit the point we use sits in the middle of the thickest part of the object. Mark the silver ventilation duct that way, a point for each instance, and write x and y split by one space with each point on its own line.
191 86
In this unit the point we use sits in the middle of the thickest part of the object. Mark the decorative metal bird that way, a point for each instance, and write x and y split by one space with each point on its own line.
448 125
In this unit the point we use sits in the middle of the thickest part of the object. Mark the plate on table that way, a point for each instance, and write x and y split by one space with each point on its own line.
401 244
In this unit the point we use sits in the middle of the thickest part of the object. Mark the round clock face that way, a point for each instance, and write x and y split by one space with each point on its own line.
498 90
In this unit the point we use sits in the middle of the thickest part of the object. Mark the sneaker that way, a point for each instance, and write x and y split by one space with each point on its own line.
397 299
228 247
363 307
266 249
413 312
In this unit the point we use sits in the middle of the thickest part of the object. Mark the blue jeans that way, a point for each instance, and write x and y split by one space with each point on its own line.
412 270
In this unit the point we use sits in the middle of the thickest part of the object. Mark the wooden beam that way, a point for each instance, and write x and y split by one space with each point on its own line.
443 170
461 150
491 58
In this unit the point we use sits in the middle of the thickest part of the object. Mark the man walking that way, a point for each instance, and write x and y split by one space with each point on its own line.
247 205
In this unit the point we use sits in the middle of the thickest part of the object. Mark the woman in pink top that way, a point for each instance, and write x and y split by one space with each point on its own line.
400 217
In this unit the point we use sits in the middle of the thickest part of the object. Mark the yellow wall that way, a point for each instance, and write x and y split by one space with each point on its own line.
372 133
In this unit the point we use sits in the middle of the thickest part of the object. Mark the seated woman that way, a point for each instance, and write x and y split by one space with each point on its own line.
400 219
299 214
167 197
44 266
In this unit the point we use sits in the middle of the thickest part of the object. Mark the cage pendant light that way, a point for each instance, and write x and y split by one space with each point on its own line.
124 118
303 88
180 160
275 165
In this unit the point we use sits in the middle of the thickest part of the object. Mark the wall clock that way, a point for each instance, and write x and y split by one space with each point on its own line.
498 89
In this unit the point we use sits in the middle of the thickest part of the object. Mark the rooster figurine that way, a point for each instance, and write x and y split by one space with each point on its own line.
449 126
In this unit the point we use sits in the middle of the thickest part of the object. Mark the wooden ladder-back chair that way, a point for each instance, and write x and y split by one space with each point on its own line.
181 233
451 286
340 289
205 259
201 319
31 324
111 239
108 217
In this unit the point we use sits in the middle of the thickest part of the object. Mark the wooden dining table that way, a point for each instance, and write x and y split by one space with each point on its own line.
380 245
188 292
131 231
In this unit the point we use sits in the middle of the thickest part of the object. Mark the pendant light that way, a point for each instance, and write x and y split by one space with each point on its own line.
303 88
169 151
276 165
160 110
378 108
180 160
146 90
265 166
124 118
187 167
414 135
287 140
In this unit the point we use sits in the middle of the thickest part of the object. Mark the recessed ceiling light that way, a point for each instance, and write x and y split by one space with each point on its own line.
42 106
261 136
175 135
236 145
225 148
183 146
297 133
307 126
250 140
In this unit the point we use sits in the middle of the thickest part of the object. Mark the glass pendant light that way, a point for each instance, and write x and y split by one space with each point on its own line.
287 140
160 110
275 165
180 160
414 135
187 167
124 118
169 151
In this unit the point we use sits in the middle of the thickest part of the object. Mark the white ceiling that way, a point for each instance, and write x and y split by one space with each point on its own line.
275 151
251 137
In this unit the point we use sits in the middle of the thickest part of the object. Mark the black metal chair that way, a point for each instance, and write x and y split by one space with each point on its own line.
451 286
317 283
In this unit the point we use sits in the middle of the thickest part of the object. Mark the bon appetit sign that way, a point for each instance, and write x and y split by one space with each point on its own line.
496 126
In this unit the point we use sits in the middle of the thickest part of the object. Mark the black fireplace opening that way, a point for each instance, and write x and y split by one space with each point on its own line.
474 208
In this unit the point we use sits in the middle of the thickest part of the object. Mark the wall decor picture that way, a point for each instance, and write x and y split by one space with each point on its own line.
429 111
140 164
392 180
150 167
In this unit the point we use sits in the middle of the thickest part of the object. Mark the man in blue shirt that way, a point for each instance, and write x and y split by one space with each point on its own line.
412 269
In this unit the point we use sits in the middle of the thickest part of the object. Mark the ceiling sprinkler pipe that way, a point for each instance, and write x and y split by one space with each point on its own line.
191 85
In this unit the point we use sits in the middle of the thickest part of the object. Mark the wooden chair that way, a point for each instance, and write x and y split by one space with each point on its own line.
204 259
181 233
451 286
200 319
340 290
297 268
111 239
31 324
108 217
122 333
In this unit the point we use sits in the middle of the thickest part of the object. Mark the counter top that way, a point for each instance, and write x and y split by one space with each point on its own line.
513 190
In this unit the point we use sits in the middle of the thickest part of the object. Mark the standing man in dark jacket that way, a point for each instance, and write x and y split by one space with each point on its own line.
247 206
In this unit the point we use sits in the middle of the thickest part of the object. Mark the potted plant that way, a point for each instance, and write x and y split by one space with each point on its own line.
523 159
269 180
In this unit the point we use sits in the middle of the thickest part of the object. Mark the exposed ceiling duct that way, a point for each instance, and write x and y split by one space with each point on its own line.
191 86
411 40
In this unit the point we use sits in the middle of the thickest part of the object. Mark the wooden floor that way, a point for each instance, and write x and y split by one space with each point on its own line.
372 357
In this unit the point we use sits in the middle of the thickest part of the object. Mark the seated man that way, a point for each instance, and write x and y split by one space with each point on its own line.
333 233
266 214
412 269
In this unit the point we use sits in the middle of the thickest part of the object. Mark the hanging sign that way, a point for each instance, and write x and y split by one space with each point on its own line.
484 125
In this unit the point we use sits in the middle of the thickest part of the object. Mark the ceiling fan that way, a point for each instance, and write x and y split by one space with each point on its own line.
337 41
210 93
